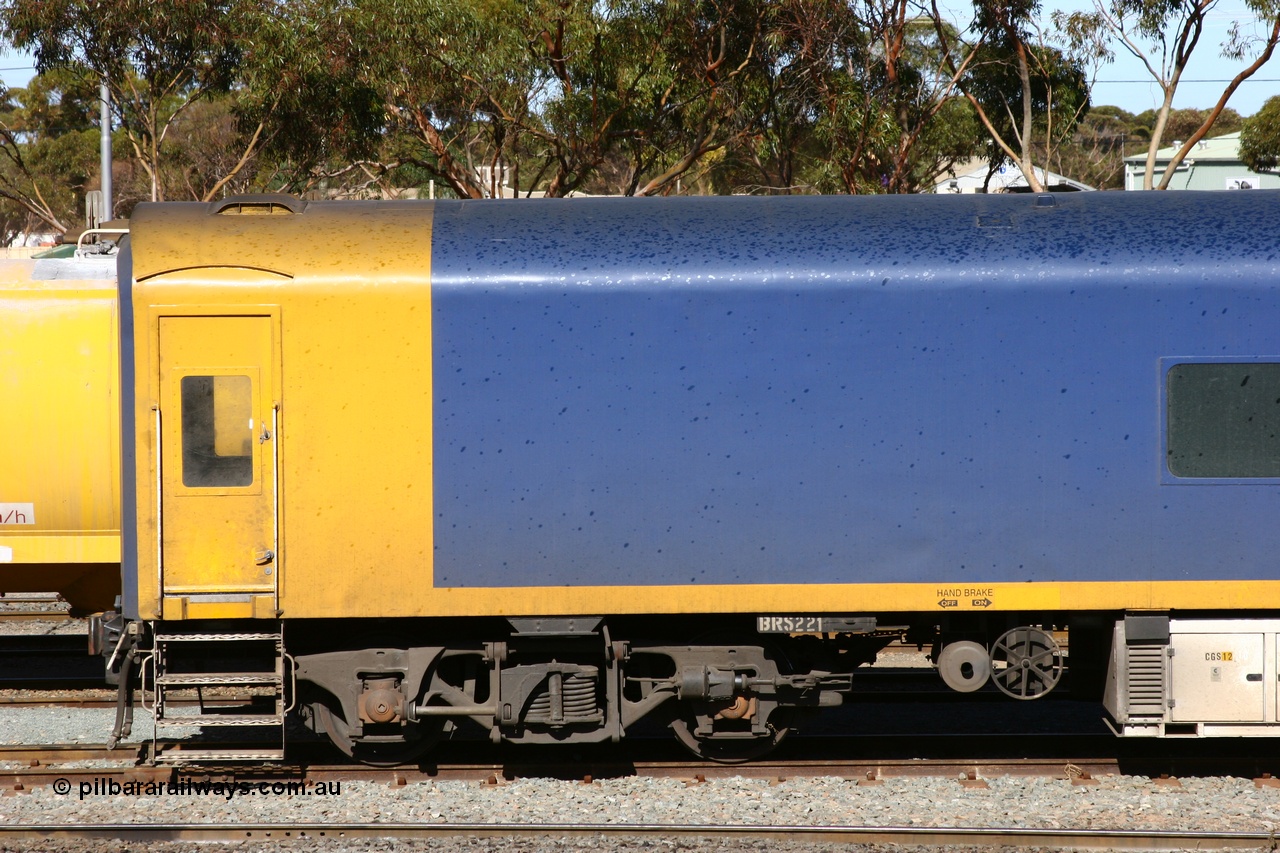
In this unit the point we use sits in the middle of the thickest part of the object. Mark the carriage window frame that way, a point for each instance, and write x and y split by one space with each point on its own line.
1167 476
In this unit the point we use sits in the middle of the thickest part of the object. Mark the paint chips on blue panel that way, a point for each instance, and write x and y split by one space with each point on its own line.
822 391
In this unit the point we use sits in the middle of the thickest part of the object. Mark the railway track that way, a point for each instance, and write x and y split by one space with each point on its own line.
1063 839
33 607
48 766
35 765
48 760
33 615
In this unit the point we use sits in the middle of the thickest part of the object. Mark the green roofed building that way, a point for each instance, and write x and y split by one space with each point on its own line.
1211 164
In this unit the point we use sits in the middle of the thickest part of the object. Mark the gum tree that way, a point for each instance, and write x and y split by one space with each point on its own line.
550 92
1028 93
157 56
48 150
1164 36
913 121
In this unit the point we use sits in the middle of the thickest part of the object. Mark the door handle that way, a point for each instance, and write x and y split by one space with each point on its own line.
263 557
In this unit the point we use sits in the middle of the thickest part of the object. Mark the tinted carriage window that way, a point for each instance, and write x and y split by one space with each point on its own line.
217 431
1224 420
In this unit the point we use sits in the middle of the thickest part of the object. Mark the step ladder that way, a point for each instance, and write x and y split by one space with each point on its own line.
175 664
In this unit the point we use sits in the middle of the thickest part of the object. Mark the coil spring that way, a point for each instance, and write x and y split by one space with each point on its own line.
577 699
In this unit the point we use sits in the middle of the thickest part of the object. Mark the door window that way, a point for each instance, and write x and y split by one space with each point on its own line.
217 431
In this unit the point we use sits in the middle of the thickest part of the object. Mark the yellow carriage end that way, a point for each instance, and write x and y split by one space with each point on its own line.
281 353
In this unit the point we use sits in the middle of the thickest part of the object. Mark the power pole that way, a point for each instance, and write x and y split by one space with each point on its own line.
104 122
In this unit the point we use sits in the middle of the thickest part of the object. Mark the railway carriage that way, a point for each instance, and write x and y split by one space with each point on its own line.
60 430
535 471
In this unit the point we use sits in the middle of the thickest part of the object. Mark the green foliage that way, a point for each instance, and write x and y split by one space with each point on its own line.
852 97
1095 153
1028 90
305 88
53 103
555 93
1260 138
169 44
1181 123
443 85
48 151
1164 36
157 56
494 97
1058 96
782 99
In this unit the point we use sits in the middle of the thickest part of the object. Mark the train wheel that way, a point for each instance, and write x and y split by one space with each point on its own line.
725 746
1032 663
388 754
964 666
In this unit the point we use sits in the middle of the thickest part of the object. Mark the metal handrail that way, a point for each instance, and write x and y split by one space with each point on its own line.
80 239
159 514
275 503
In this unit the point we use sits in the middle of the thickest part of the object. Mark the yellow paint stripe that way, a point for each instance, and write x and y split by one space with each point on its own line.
837 598
67 547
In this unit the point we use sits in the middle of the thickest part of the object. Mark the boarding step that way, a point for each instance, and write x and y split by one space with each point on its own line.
185 756
219 679
252 658
203 720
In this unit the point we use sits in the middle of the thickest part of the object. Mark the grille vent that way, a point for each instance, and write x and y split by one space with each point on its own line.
1146 681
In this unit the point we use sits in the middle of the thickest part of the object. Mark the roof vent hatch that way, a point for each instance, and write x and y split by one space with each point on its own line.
258 204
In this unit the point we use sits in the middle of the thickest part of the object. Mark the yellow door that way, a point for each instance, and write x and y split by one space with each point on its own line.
218 456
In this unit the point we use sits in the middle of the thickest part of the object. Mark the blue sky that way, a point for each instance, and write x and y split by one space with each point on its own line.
1124 82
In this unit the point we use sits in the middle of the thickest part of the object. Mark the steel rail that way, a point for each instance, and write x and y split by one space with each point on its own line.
864 771
55 702
56 752
56 682
36 765
1066 839
43 767
110 701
